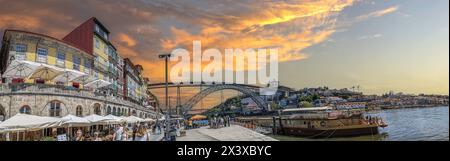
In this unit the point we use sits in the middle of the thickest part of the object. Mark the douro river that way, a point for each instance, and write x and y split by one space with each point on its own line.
408 124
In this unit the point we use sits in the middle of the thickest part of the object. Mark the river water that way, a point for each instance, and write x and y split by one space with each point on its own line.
408 124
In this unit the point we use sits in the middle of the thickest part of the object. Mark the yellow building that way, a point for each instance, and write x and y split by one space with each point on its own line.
43 49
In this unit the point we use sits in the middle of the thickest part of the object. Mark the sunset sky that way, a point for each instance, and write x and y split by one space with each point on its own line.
381 45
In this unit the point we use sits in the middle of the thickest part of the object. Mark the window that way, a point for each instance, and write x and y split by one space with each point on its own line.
97 29
106 49
21 52
60 59
97 109
42 55
2 113
97 43
108 110
76 63
79 111
87 65
55 109
114 112
25 109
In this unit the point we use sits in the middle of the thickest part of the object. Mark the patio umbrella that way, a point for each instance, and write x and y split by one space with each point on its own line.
84 79
149 120
114 119
71 120
97 84
46 72
68 75
29 122
133 119
198 117
96 118
20 69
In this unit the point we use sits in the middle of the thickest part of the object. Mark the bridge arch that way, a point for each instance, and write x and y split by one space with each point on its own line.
214 88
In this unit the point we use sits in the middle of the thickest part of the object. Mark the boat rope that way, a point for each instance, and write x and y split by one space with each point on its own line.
332 133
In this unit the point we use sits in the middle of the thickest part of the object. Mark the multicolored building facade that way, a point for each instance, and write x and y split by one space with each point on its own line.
84 61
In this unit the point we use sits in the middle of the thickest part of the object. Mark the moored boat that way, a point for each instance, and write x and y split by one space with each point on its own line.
320 122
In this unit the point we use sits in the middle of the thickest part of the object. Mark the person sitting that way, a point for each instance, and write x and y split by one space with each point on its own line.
97 137
79 135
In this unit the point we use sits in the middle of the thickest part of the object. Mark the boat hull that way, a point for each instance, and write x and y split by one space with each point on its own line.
321 133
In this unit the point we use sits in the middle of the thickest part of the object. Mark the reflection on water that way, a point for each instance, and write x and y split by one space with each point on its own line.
413 124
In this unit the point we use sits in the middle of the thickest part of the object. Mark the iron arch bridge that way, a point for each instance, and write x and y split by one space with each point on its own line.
249 90
214 88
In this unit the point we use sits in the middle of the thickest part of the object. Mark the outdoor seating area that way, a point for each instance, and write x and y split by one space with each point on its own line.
24 127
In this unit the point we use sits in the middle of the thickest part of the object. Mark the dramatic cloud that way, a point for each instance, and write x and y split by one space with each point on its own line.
142 29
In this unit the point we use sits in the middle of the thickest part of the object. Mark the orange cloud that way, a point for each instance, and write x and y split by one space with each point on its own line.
127 39
19 22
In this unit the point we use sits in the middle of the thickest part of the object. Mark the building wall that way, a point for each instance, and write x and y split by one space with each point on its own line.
40 104
52 47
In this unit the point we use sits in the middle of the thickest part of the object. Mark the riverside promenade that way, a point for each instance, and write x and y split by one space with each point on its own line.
232 133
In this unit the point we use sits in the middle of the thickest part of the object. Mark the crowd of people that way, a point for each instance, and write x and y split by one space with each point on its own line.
219 122
122 132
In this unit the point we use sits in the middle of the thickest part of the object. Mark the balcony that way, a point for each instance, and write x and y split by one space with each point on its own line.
101 66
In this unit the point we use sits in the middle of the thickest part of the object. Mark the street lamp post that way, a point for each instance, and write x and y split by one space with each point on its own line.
167 129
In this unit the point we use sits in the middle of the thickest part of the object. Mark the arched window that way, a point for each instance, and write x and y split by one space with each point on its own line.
55 109
2 113
134 113
25 109
119 113
97 109
108 111
79 111
114 111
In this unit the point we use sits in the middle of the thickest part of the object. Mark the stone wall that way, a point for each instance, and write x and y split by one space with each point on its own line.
10 105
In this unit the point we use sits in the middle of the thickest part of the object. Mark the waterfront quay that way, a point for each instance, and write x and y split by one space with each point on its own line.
231 133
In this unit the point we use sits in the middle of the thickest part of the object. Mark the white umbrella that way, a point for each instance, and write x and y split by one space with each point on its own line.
149 120
68 75
71 120
46 72
97 84
84 79
96 118
20 69
29 122
133 119
114 119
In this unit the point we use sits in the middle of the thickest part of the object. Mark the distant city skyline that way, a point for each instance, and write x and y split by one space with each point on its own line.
381 46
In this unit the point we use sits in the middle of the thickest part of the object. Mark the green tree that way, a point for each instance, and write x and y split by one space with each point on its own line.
305 104
305 98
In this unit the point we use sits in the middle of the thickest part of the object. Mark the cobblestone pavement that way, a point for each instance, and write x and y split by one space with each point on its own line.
232 133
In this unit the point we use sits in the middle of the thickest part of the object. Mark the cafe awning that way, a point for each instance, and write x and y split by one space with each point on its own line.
97 84
46 72
84 79
68 75
29 122
71 120
133 119
21 69
198 117
96 118
114 119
